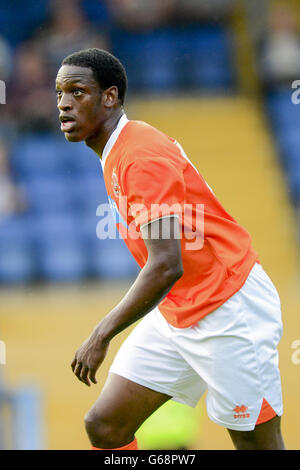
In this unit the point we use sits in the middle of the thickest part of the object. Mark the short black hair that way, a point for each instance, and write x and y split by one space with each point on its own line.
107 69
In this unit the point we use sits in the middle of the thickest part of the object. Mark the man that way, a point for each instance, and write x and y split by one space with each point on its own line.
211 318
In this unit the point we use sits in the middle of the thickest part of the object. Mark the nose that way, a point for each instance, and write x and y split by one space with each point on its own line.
64 103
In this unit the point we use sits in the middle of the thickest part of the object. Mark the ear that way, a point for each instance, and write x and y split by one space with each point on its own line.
110 97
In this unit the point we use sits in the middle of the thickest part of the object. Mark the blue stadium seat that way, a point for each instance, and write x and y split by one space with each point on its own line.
108 258
284 116
149 59
45 155
62 261
17 257
60 248
283 113
78 158
289 140
49 195
291 161
96 11
205 51
293 180
111 259
20 18
173 58
38 155
88 192
288 144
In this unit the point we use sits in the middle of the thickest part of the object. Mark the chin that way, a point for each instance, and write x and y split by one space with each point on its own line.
73 137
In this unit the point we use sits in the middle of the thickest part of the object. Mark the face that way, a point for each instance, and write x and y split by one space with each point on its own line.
81 103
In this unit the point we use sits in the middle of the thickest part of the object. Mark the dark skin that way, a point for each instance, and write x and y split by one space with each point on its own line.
91 114
94 112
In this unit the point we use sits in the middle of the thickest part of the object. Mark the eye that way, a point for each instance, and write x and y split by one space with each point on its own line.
77 92
58 93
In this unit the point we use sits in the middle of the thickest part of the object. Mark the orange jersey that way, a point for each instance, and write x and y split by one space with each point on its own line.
148 176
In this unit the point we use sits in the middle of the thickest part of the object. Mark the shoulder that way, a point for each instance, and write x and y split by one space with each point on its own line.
141 128
141 141
142 135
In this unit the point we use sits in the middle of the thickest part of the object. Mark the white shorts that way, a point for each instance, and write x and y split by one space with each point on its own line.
231 353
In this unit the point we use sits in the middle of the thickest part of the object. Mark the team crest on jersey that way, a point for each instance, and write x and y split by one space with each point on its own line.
115 184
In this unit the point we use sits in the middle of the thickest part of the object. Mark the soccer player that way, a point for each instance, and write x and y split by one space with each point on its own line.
210 315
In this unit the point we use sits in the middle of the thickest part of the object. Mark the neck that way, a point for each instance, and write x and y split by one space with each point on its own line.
99 140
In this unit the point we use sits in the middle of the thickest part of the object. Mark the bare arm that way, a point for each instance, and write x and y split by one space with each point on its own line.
162 270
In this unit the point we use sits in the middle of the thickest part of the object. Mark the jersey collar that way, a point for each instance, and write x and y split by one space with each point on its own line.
113 138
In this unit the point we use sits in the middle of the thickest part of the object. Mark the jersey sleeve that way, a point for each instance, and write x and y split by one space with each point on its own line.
154 188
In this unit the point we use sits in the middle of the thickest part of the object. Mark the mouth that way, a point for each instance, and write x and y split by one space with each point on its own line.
67 123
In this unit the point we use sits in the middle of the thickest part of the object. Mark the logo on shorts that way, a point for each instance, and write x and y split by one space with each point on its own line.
240 412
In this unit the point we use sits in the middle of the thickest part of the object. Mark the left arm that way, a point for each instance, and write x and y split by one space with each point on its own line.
162 269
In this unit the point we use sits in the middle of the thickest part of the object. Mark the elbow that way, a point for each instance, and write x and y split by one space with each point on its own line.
170 273
178 272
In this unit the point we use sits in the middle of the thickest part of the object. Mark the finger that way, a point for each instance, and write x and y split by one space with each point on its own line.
84 376
78 370
73 364
92 376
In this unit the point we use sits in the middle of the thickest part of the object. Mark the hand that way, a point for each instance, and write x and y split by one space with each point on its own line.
88 358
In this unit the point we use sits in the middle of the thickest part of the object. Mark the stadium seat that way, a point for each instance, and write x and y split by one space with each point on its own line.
284 116
16 263
159 60
17 257
19 19
45 155
60 248
283 113
63 260
293 180
88 192
97 12
111 259
37 155
149 59
289 141
49 195
206 52
108 258
80 159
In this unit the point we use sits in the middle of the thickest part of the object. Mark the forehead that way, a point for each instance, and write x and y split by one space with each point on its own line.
68 74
